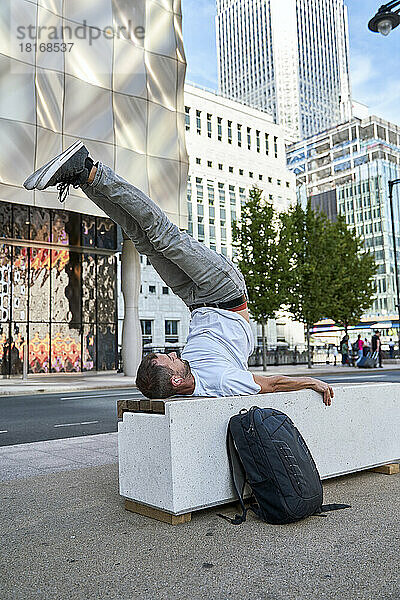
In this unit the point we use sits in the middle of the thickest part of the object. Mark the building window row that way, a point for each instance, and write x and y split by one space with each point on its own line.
171 331
240 171
229 135
153 288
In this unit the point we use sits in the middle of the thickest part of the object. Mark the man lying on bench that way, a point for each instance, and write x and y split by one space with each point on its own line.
220 340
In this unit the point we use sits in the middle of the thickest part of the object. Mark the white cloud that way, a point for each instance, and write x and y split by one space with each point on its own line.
361 70
372 86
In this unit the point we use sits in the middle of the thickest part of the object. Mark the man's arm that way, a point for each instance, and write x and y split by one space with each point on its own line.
280 383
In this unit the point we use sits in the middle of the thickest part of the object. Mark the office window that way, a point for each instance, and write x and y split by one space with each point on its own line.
219 120
240 171
152 289
221 194
287 184
187 118
266 143
147 331
198 161
260 177
209 163
278 181
230 169
239 135
171 331
220 166
229 132
276 146
269 179
251 174
210 193
209 124
257 140
249 138
198 121
199 189
165 290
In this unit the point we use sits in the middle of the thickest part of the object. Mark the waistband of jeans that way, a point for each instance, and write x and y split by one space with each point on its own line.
239 303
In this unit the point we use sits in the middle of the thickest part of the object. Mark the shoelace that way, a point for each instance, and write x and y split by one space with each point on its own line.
63 187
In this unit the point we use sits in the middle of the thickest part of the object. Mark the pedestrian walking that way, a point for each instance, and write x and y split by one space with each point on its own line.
335 354
360 347
376 346
344 349
391 348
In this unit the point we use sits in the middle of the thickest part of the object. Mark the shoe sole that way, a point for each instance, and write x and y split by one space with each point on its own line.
41 177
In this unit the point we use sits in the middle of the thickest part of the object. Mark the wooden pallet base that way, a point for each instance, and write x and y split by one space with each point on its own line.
391 469
155 513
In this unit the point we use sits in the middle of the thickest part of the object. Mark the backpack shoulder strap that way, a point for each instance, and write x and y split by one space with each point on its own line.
238 475
329 507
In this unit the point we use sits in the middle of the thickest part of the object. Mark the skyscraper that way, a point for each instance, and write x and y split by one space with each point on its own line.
289 57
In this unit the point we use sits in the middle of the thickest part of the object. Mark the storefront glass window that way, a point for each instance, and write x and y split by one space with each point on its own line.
60 301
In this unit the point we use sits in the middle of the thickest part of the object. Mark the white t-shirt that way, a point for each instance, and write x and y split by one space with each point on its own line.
217 348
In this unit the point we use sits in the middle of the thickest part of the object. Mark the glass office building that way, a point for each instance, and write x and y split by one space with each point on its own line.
345 170
289 57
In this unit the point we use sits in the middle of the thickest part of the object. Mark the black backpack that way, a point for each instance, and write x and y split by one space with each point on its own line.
266 451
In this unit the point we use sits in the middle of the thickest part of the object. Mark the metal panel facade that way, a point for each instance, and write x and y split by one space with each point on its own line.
109 72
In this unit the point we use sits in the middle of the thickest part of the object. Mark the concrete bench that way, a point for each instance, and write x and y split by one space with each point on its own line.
172 453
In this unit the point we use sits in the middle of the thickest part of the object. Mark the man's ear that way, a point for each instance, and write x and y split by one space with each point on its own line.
176 381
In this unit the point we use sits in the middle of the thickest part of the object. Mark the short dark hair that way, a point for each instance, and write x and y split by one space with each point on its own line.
154 381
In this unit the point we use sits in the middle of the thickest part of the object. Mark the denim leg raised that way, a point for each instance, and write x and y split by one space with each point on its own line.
193 272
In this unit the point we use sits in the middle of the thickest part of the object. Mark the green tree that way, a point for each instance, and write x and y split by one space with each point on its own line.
353 287
305 237
260 259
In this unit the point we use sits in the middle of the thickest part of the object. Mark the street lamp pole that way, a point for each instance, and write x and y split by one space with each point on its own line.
391 185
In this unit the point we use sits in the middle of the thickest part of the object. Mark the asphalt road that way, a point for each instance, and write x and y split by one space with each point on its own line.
54 416
41 417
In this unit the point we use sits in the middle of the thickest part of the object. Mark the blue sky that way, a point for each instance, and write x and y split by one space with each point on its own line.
374 59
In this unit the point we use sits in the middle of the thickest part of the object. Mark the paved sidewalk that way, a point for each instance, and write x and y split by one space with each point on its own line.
66 382
52 456
69 382
66 536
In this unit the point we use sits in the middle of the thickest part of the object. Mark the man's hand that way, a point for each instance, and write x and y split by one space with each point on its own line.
324 389
280 383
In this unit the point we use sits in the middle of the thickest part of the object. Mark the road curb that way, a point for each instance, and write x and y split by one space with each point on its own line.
43 391
316 373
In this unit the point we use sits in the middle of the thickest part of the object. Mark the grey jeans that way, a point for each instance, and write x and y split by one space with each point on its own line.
192 271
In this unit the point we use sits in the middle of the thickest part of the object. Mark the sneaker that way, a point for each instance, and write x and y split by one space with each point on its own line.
71 167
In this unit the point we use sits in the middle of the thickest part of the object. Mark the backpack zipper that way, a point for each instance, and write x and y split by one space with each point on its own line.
251 429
